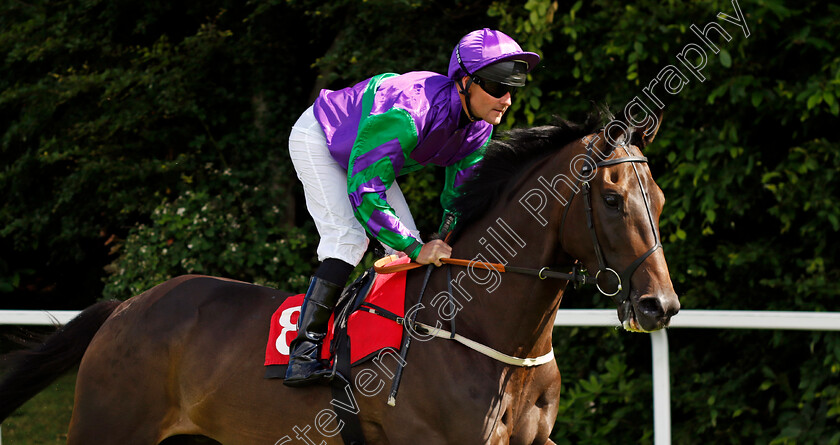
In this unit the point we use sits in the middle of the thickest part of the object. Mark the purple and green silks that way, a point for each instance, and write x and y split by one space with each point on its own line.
393 124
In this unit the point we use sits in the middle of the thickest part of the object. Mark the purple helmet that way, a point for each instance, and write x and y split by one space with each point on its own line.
485 47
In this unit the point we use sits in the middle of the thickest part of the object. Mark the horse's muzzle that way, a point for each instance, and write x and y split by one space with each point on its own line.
649 312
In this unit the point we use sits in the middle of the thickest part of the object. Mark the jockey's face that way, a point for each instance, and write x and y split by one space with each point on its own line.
486 107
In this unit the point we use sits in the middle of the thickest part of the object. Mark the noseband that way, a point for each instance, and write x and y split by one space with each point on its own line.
621 294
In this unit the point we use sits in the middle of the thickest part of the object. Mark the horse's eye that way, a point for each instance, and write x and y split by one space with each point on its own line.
612 201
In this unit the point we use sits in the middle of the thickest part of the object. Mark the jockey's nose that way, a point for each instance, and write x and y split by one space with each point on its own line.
507 100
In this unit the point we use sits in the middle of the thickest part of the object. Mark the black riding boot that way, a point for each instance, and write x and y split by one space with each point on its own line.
304 361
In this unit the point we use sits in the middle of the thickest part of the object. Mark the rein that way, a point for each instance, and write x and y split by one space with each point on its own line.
577 275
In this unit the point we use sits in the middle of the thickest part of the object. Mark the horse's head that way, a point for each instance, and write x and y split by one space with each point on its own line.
604 212
619 205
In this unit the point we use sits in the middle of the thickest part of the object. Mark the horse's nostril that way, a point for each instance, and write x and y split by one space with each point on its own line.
651 307
673 308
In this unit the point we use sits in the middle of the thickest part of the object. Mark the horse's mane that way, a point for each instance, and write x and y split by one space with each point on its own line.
508 156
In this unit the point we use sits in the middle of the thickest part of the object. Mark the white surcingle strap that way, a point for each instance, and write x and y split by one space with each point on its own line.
486 350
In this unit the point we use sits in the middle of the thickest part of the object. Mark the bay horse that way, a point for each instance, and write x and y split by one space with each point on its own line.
183 361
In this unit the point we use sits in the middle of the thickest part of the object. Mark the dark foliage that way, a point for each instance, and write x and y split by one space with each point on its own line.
509 155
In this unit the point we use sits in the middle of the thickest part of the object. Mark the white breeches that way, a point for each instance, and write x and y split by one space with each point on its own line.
325 188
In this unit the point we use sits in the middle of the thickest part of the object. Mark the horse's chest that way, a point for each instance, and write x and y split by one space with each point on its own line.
529 406
520 421
447 399
521 410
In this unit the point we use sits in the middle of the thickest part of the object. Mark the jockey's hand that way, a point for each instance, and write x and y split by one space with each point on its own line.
433 251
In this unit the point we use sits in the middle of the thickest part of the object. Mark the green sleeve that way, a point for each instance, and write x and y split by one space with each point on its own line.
380 150
456 175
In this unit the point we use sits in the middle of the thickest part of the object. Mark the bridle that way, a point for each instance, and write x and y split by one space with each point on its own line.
578 276
621 294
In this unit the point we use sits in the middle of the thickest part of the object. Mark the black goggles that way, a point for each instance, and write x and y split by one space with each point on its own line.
493 88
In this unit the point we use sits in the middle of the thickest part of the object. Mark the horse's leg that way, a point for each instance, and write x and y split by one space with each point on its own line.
100 417
125 393
108 428
222 386
120 398
203 348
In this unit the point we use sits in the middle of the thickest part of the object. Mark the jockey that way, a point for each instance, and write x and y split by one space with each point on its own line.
354 143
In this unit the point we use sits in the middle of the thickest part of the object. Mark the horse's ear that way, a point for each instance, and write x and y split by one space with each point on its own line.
617 132
624 126
649 131
642 119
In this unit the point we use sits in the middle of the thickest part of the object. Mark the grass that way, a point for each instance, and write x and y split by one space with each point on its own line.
43 420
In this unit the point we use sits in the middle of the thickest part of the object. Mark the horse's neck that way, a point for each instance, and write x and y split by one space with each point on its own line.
513 312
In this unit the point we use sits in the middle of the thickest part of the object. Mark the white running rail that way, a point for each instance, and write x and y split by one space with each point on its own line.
692 318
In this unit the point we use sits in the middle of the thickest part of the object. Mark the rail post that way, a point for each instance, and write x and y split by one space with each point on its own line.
661 388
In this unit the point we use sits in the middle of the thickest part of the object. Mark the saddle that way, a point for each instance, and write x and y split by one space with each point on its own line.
367 319
363 324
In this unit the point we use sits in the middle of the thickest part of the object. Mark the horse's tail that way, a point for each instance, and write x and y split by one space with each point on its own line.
34 370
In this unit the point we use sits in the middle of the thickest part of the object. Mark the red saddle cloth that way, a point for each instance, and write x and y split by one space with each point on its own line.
369 333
